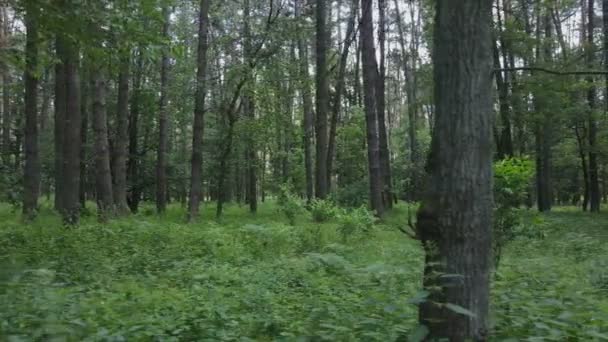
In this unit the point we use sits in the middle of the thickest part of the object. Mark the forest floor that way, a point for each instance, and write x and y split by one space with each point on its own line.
145 278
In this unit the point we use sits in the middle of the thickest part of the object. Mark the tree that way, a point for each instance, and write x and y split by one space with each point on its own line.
31 173
163 122
322 100
199 112
370 74
103 173
594 185
121 144
308 122
455 218
384 155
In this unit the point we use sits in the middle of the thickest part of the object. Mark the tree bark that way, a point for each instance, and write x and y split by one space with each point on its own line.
370 73
322 99
70 172
455 219
594 185
385 163
249 108
121 146
340 85
6 96
103 173
199 113
308 122
31 173
163 123
60 113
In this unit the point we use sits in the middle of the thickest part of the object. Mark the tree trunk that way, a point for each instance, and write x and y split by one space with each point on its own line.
163 122
340 85
132 175
60 113
370 73
455 219
6 96
31 173
85 106
103 173
121 146
70 172
199 113
249 108
594 185
308 121
322 99
581 144
385 163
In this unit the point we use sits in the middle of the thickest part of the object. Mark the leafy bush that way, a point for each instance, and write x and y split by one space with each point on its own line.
290 204
322 210
358 221
512 180
353 195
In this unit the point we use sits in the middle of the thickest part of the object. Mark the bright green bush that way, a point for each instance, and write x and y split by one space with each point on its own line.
512 181
355 222
290 204
322 210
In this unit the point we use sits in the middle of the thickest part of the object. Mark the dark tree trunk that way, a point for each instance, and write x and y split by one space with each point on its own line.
322 99
504 142
121 145
103 173
340 85
582 147
6 98
85 106
455 219
249 108
60 113
308 122
31 173
370 73
385 163
133 181
594 184
163 122
199 113
70 172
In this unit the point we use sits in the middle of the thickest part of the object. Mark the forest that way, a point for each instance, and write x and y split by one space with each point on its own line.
303 170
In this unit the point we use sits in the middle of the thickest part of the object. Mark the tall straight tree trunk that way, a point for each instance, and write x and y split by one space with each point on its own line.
85 107
385 163
163 123
132 175
199 113
582 147
60 113
72 140
103 173
31 173
121 145
594 185
6 95
455 219
370 73
322 99
340 85
308 122
249 108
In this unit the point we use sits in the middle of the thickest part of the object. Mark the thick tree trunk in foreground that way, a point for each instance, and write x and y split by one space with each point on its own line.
370 73
163 123
70 172
121 146
103 173
322 99
199 113
455 219
31 174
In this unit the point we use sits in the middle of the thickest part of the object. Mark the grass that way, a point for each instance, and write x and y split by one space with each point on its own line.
254 277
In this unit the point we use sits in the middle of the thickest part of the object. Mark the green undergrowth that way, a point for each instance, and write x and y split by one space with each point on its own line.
260 278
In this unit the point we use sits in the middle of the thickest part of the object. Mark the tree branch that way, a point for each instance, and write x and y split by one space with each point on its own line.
553 72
